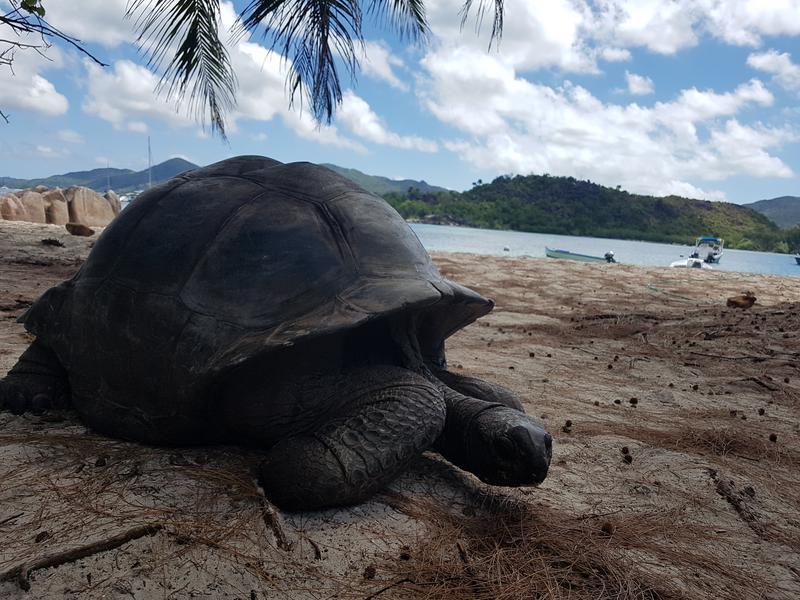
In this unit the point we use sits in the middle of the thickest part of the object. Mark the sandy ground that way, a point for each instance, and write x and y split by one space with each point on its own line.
616 360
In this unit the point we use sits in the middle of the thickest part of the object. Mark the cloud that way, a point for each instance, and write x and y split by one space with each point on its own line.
361 120
98 21
378 63
779 65
124 95
639 85
508 123
615 54
70 136
24 87
45 151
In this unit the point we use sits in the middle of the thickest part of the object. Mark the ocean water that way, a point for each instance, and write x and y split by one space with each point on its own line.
493 242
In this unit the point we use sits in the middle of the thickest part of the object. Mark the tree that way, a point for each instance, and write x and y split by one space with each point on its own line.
26 18
181 39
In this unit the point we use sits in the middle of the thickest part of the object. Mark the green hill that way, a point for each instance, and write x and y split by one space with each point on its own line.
567 206
120 180
383 185
126 180
784 210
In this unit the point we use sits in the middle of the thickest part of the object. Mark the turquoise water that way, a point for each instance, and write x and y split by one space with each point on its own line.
487 241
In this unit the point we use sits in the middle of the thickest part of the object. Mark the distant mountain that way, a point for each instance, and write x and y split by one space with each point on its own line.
119 180
65 179
567 206
784 210
126 180
383 185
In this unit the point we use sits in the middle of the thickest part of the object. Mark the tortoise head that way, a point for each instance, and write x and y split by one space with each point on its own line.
506 447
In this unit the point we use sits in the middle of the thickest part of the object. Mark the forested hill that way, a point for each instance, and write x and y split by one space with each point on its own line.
783 211
565 205
383 185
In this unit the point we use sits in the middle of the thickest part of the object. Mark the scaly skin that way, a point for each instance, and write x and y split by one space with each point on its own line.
393 417
36 383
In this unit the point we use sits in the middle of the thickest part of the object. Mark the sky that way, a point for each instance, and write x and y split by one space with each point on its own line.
699 98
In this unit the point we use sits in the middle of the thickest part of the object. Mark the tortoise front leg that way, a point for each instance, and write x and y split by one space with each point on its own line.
36 383
385 416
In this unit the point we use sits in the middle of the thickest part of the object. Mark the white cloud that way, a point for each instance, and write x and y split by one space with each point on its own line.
45 151
615 54
379 62
24 87
536 33
70 136
360 119
779 65
124 95
98 21
639 85
746 22
511 124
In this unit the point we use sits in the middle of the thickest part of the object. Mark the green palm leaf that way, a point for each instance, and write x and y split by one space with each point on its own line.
316 37
199 67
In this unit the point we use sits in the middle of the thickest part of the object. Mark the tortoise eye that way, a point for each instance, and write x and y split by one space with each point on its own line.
504 448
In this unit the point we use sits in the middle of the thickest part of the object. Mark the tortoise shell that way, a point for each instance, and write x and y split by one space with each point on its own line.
223 263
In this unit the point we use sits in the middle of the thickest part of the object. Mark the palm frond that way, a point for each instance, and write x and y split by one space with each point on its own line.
407 16
313 35
497 22
199 66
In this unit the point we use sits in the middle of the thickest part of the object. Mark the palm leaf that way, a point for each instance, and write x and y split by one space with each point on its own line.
199 66
315 37
497 22
407 16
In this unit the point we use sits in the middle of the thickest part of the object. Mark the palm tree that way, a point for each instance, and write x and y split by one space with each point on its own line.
182 38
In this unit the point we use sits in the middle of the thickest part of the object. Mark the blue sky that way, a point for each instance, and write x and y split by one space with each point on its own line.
699 98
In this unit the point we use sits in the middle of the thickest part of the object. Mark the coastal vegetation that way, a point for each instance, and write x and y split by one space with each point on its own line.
568 206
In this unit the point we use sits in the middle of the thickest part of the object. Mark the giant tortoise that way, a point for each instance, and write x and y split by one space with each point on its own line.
283 307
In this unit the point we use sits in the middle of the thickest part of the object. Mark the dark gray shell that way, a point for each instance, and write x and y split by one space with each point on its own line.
235 259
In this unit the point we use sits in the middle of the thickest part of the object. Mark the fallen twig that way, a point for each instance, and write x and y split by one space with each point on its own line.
11 518
387 588
21 571
273 522
752 357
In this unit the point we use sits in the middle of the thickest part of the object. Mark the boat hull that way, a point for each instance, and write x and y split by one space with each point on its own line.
690 263
566 254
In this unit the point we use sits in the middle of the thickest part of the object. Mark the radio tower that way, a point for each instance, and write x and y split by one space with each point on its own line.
149 165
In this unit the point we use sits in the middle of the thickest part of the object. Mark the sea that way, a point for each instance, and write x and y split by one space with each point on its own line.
516 243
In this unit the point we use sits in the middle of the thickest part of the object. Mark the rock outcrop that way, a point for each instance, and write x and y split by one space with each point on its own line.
112 198
26 205
88 207
77 204
55 207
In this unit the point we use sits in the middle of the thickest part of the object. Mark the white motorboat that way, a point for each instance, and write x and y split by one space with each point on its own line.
690 263
708 249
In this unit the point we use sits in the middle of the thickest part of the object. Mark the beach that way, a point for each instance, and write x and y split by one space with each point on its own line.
675 474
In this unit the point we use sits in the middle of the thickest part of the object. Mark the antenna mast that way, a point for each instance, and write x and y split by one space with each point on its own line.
149 165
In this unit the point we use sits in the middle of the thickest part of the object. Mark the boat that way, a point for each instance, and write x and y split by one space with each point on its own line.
608 257
797 258
690 263
708 249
